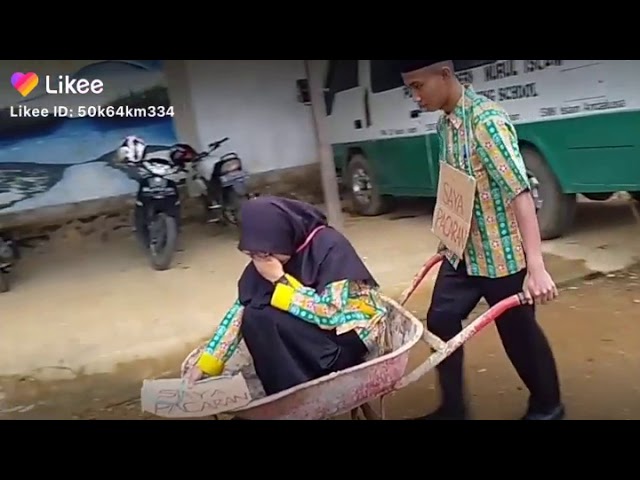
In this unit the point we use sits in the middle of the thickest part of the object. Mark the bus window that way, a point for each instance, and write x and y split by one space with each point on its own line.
341 75
385 76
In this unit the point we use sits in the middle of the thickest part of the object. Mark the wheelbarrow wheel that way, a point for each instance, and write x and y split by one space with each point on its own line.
368 412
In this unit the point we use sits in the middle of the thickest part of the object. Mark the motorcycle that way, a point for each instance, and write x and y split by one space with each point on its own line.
8 254
157 209
220 181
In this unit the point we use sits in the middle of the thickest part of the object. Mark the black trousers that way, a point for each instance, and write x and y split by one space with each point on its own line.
288 351
455 295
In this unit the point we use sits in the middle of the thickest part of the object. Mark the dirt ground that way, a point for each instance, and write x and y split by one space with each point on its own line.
98 301
594 327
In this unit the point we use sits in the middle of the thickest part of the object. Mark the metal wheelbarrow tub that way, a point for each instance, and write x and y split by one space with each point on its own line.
352 389
346 390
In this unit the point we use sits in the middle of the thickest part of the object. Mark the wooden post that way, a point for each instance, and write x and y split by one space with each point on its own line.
325 153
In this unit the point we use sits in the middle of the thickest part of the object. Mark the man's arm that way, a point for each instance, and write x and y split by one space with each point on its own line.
502 158
498 148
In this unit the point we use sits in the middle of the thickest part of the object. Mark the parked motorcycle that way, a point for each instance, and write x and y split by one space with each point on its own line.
220 181
9 253
157 210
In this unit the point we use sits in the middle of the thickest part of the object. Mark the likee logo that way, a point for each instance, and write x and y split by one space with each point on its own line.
60 85
24 82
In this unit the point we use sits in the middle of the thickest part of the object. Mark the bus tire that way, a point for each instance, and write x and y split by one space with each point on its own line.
558 209
359 172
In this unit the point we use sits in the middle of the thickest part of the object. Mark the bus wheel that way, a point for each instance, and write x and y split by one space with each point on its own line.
363 191
558 209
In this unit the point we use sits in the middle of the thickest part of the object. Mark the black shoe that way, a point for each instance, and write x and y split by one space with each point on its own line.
556 413
442 414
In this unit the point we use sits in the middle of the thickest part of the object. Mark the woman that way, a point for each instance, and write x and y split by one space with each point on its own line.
307 305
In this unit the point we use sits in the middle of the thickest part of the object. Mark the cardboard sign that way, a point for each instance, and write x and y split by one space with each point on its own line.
454 208
172 398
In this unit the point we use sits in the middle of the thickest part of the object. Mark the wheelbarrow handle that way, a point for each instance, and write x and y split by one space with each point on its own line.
444 349
417 279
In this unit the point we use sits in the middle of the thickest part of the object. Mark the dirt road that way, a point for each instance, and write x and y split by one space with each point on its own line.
594 327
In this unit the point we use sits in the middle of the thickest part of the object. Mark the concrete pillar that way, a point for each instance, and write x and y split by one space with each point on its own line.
181 98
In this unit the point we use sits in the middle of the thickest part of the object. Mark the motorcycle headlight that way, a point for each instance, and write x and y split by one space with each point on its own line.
158 182
230 166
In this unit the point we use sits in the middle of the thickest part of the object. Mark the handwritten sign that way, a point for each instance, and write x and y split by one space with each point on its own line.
454 208
172 398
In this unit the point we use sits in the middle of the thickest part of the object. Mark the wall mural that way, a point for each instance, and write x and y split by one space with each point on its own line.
67 156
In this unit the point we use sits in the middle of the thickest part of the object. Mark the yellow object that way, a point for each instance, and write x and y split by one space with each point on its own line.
282 296
363 307
295 283
210 364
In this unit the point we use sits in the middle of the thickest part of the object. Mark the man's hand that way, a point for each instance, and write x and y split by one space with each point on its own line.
538 286
269 267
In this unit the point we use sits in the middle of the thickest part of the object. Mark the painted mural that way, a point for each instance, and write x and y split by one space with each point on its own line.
59 159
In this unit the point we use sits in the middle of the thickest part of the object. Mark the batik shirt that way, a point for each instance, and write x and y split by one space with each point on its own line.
494 248
343 306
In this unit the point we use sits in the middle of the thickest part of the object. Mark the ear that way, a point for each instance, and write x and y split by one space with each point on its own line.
447 72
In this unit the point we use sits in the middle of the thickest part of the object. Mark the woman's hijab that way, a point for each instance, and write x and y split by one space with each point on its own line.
277 225
281 226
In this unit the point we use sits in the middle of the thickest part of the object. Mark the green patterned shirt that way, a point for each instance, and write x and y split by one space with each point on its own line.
494 248
342 306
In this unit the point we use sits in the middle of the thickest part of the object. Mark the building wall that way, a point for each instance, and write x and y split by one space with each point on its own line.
52 161
254 102
52 169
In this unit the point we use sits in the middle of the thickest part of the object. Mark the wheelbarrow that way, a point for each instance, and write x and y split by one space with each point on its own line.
354 389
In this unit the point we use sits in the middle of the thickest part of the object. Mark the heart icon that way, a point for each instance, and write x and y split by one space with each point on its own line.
24 82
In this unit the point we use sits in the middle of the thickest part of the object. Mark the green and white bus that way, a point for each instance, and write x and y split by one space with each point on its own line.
578 123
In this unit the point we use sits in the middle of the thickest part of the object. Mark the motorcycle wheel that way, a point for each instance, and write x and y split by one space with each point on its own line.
163 237
5 286
231 209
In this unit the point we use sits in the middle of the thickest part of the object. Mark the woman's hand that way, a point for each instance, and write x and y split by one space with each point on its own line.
269 267
194 375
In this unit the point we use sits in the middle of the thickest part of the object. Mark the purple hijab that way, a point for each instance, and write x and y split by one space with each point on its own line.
278 225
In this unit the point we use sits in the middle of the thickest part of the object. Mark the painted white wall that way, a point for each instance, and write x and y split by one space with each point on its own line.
254 102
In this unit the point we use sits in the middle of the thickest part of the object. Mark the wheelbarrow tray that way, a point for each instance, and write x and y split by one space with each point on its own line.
383 373
346 390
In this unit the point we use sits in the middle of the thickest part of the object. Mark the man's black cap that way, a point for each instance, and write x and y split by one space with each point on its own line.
406 66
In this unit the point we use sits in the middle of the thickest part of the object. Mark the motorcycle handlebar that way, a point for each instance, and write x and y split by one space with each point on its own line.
216 144
212 146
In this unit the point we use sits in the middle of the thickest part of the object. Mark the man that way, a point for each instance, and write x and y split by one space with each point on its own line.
503 253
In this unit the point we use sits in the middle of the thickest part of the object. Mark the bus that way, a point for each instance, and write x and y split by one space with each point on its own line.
578 125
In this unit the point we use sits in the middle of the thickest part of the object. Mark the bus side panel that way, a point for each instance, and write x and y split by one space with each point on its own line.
340 157
405 165
594 153
401 166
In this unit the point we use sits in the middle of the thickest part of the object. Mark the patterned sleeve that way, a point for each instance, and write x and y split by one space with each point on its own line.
499 151
325 309
223 343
